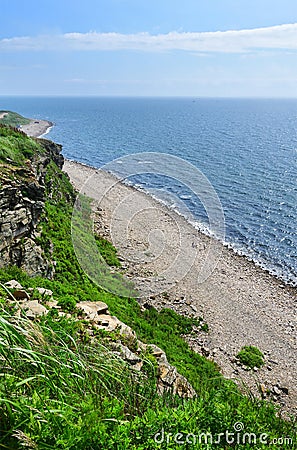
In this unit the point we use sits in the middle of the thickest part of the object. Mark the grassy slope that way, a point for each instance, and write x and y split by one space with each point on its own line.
60 390
13 119
15 147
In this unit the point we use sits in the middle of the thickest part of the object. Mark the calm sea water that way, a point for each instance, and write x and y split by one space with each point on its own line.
246 148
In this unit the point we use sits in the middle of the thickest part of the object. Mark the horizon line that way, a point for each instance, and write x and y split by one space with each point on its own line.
194 96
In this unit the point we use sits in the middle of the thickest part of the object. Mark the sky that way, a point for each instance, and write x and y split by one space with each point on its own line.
198 48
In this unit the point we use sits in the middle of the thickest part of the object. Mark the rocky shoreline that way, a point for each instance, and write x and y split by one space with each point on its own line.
37 128
241 303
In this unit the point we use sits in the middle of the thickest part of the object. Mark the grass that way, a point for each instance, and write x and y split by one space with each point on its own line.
251 356
13 119
62 389
50 380
16 147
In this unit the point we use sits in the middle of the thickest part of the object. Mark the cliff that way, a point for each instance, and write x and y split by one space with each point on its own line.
23 165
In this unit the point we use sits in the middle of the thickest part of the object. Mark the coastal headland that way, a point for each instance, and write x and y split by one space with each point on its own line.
36 127
32 127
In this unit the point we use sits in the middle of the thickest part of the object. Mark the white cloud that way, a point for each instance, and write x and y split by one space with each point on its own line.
232 41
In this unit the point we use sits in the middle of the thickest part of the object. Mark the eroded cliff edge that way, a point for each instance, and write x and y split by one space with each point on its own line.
24 166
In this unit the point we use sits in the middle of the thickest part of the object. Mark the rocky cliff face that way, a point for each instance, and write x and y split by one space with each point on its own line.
22 197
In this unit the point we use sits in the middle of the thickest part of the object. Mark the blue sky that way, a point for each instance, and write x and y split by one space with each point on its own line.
233 48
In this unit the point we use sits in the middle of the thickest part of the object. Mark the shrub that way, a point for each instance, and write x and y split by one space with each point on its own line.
251 356
68 303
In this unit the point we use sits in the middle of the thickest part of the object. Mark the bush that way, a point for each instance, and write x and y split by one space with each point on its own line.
251 356
68 303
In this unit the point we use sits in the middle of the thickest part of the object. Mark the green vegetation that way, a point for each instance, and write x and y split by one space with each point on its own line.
16 147
251 356
12 119
107 251
60 392
94 254
62 388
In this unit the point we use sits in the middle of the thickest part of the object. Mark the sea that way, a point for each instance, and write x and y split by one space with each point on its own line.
246 148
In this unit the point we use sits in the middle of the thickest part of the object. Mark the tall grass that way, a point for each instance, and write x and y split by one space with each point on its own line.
15 147
52 383
59 390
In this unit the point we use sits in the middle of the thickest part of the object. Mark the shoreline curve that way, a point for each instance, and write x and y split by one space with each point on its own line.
37 128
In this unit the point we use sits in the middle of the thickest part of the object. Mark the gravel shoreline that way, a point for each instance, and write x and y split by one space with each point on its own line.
37 128
241 303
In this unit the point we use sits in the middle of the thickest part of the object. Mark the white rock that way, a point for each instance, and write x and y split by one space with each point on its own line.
44 291
34 309
13 284
93 309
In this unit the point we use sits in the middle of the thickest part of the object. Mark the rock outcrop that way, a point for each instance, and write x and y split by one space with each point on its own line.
22 197
168 378
127 346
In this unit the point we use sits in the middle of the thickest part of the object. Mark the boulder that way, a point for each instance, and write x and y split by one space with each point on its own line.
170 380
44 292
127 355
20 294
93 309
112 323
13 284
33 309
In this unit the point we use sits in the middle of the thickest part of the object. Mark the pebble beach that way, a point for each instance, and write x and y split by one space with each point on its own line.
36 127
